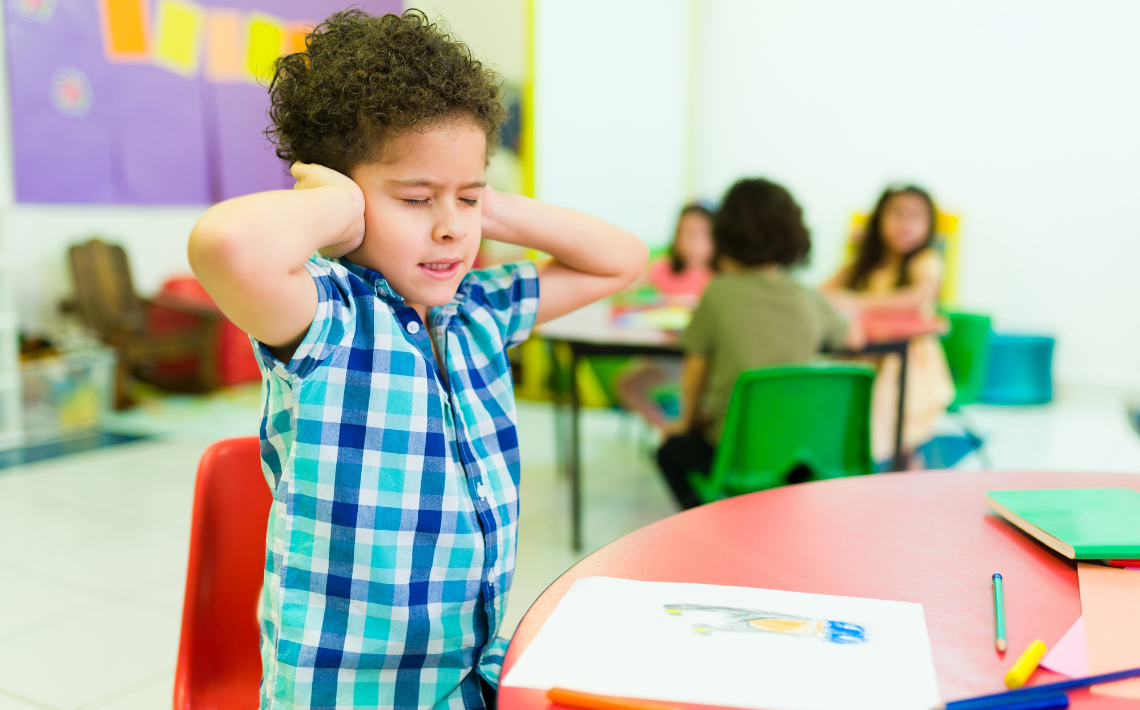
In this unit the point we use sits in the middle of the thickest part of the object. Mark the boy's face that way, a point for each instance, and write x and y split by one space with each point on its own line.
423 211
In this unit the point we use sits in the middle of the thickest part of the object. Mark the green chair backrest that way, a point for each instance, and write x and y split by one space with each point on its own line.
967 347
815 415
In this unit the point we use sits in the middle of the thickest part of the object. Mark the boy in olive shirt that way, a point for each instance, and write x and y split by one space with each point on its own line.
752 315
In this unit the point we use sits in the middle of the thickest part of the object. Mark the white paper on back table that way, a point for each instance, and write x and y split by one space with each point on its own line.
733 647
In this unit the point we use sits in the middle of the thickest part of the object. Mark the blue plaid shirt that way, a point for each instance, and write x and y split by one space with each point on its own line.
391 540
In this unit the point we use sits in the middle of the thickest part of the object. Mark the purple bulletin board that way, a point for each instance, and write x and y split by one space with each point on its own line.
141 102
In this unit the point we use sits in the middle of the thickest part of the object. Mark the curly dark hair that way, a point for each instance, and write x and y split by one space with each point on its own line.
872 250
759 223
364 78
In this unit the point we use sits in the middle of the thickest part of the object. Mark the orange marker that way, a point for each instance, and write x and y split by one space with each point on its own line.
589 701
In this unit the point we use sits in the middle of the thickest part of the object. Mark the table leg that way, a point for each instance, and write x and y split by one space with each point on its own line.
573 468
558 400
899 462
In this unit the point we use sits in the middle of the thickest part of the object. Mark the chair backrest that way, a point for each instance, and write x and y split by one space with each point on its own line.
219 661
967 347
815 415
104 292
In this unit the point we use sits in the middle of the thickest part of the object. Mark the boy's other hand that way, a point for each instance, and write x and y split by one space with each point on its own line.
311 176
489 205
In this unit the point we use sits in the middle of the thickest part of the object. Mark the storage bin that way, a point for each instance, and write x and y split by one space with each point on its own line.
66 395
1020 370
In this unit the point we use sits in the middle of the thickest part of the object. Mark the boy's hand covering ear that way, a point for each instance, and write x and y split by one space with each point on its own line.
489 205
311 176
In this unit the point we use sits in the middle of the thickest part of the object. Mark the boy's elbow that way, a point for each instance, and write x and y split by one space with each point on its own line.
212 248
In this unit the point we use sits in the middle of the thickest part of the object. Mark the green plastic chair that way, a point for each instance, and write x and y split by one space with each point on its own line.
967 348
815 417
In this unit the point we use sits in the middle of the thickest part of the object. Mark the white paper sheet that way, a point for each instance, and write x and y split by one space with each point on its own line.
617 637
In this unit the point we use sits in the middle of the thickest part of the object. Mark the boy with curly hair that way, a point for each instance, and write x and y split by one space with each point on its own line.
758 234
388 431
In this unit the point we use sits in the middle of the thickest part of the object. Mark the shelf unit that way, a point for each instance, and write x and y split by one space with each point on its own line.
11 399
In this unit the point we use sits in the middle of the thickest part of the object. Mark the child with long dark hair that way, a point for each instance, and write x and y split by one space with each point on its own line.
896 268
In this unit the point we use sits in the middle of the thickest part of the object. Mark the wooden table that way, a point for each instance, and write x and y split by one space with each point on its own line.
922 537
591 331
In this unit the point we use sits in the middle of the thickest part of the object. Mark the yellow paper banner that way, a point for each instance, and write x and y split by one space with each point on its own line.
178 36
266 34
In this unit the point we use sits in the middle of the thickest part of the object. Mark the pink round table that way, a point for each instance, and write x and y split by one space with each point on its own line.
921 537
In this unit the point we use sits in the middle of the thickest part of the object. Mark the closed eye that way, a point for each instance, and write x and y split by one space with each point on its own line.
469 202
416 203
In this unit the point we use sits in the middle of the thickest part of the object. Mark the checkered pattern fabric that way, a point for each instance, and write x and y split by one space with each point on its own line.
391 540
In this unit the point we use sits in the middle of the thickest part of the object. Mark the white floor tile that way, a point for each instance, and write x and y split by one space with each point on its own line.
9 703
30 603
76 661
150 481
149 694
123 561
30 525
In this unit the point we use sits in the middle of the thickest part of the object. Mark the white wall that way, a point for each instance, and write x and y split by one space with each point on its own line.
36 237
1021 116
610 83
493 29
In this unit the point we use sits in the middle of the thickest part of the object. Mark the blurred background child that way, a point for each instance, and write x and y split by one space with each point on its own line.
685 271
897 268
680 277
752 315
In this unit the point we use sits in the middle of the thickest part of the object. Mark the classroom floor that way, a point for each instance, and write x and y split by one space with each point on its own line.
93 545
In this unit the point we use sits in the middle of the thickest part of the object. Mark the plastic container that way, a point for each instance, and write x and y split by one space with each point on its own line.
68 395
1020 370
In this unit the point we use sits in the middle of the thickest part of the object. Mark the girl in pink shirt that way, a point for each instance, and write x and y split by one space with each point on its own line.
687 269
681 278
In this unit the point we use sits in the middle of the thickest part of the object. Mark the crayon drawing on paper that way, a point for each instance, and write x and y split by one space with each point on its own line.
726 618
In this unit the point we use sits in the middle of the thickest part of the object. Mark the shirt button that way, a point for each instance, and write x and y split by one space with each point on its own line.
482 490
413 327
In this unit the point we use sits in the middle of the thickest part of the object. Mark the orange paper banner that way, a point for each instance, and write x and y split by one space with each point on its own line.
225 46
125 30
1110 603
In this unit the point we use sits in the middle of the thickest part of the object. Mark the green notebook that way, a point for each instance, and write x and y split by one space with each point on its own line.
1080 523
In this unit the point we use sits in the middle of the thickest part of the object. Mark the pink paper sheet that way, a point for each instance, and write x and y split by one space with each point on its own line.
1110 603
1069 656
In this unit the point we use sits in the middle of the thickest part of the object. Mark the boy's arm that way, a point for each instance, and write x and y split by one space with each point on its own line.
590 258
694 376
250 252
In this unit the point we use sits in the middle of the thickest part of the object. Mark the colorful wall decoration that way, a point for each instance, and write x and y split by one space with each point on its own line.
150 101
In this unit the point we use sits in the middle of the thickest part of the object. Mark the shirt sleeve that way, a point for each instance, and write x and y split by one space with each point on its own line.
332 327
698 337
510 292
835 326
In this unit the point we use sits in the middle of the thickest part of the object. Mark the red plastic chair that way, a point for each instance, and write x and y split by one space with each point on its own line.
219 664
